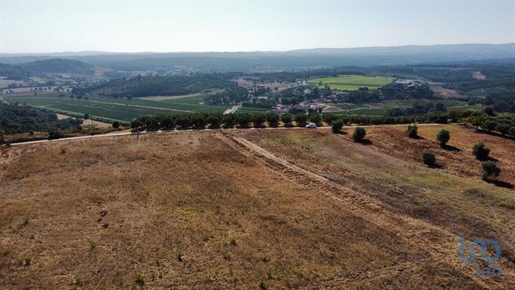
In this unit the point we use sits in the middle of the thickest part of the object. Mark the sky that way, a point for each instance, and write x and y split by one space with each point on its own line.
39 26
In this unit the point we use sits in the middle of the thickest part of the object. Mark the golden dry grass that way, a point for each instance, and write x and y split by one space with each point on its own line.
186 210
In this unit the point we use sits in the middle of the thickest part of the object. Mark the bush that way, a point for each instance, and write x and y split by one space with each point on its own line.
286 119
140 280
412 131
489 125
480 151
359 133
511 132
301 119
490 169
502 128
443 137
116 124
336 126
428 157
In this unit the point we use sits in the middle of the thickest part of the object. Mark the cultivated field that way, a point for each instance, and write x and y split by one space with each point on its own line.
352 82
379 109
117 109
247 209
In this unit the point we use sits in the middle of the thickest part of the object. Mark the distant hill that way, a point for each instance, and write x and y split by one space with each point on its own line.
44 67
294 60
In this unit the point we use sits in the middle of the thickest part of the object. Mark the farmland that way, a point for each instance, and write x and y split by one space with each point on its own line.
352 82
116 109
365 217
379 109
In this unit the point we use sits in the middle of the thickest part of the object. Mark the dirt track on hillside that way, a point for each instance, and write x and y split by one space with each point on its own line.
438 242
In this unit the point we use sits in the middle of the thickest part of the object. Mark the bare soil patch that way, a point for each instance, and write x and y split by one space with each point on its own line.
257 208
445 93
478 75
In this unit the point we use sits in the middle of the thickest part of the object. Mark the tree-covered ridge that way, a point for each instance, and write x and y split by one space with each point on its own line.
44 67
23 119
163 85
56 66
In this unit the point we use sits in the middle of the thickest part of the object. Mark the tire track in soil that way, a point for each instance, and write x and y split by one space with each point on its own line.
441 245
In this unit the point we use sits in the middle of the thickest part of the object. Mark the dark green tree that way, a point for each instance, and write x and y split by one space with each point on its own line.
286 119
228 121
301 119
315 118
243 119
214 121
258 119
489 125
116 124
489 169
336 126
489 111
272 119
428 157
443 137
480 151
502 128
359 134
412 131
167 122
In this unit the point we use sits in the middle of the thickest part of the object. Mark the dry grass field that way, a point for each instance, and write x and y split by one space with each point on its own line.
256 209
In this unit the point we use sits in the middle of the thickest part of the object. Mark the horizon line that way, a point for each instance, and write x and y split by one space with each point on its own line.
249 51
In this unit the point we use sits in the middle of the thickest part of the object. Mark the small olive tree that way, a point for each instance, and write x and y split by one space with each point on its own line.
443 137
336 126
359 134
428 157
490 169
480 151
412 131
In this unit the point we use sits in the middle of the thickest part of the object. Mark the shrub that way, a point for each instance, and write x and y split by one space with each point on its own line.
412 131
489 125
301 119
116 124
428 157
272 119
443 137
359 133
336 126
502 128
480 151
490 169
315 118
140 280
489 111
511 132
286 119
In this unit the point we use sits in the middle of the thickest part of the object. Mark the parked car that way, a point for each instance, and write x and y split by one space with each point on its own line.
311 125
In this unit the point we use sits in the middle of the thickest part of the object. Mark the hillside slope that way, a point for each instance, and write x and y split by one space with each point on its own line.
206 210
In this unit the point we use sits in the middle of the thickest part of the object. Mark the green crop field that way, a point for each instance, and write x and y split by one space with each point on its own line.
115 109
381 108
352 82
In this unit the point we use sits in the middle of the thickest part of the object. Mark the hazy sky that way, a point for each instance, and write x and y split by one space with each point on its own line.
169 26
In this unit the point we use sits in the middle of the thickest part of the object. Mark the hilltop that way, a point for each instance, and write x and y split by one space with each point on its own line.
249 209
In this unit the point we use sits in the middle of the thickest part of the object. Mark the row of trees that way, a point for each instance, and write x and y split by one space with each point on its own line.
259 120
22 119
504 125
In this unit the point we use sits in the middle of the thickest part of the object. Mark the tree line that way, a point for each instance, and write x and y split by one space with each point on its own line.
22 119
270 119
